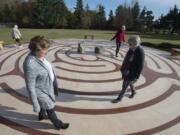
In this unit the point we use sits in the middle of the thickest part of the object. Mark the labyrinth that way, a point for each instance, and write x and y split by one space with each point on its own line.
87 84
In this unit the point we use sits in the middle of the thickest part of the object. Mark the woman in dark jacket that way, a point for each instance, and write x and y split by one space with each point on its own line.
41 81
120 38
132 66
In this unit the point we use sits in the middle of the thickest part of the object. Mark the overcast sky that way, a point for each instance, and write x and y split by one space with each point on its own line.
157 6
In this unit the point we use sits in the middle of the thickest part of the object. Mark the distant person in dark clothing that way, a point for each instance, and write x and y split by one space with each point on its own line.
132 66
120 38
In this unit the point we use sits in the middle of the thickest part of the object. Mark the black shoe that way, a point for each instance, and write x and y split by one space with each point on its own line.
53 118
65 125
132 95
116 100
58 124
42 116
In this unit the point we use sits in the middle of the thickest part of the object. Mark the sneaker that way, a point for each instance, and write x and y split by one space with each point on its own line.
116 100
132 95
65 125
61 126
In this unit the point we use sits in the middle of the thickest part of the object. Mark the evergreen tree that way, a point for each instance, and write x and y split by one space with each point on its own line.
79 14
87 9
110 21
101 14
172 19
71 20
99 18
135 14
123 17
146 19
87 19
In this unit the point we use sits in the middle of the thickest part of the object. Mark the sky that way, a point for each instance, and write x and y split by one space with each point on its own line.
158 7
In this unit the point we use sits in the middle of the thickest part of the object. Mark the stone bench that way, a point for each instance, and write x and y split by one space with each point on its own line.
174 51
1 45
82 47
86 36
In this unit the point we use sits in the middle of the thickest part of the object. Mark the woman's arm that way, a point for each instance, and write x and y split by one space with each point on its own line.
30 78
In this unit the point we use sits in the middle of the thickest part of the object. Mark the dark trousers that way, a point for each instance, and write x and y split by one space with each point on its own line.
118 45
18 41
52 116
125 85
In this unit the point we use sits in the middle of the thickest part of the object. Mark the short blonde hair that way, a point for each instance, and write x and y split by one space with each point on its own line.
134 40
38 43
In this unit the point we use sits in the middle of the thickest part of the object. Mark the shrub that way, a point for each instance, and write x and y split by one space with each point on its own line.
163 46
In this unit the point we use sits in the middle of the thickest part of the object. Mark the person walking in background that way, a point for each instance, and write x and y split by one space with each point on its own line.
120 38
41 81
132 66
16 35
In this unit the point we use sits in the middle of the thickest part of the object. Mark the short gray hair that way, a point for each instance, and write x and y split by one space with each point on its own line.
16 26
134 40
123 27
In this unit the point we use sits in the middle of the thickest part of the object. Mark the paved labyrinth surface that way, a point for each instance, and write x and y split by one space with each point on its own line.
88 83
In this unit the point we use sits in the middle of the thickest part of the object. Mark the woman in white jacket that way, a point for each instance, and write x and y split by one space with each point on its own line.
16 35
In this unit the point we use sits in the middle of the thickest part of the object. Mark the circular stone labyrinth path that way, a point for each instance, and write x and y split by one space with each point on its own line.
87 84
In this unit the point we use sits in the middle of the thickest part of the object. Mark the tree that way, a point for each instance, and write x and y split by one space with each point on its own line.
55 14
149 19
123 17
87 8
135 14
49 13
7 14
173 19
146 19
1 15
21 8
110 21
101 14
79 14
87 19
71 20
99 18
61 14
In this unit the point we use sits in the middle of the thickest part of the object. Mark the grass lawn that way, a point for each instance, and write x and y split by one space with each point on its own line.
5 35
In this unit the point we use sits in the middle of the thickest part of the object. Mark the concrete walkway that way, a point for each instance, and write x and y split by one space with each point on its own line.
87 84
